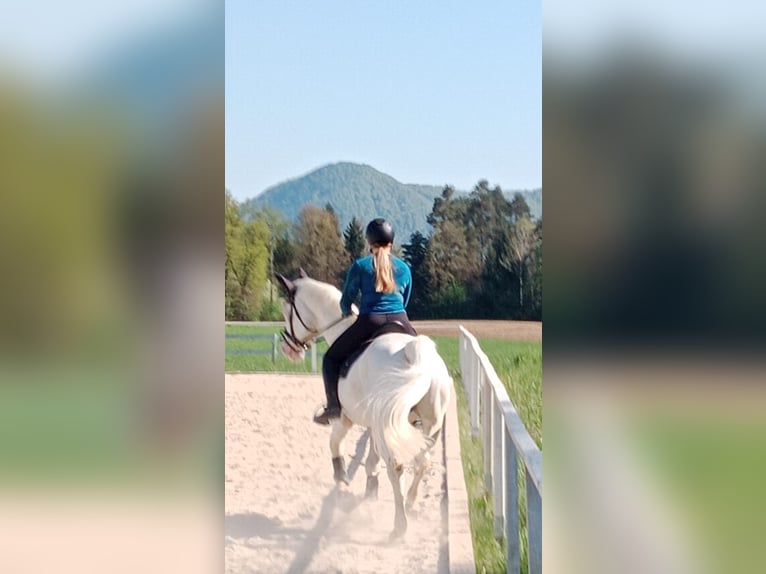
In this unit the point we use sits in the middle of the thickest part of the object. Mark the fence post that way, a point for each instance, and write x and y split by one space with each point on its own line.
486 431
475 383
512 551
498 470
313 357
274 348
534 526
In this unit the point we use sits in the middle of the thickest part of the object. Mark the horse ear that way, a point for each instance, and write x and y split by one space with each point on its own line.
302 272
288 285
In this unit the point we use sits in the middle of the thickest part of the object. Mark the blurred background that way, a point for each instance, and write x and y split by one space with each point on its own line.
654 129
111 235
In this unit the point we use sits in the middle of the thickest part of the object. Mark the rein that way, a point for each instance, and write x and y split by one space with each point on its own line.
291 340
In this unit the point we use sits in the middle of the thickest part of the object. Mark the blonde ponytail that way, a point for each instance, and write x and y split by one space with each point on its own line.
384 273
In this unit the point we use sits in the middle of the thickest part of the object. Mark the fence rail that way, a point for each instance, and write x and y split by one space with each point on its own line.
505 441
274 338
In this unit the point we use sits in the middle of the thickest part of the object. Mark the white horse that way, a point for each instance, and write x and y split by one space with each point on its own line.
399 389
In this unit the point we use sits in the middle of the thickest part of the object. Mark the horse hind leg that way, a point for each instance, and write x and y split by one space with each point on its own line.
340 428
421 464
372 466
395 474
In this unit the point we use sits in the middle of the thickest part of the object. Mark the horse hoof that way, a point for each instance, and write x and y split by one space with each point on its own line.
397 534
371 492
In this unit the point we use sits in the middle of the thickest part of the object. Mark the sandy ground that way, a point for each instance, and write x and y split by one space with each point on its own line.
283 512
510 330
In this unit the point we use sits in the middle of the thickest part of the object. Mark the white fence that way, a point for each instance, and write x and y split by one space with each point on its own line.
505 440
274 338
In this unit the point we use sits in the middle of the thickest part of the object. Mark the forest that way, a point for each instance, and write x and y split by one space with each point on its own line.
481 257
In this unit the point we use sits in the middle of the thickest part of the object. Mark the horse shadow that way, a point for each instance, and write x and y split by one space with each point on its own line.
244 526
254 525
336 498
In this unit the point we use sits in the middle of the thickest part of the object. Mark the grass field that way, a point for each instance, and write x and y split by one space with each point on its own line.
239 356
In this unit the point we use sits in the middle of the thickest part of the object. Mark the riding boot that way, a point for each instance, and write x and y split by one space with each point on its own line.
332 410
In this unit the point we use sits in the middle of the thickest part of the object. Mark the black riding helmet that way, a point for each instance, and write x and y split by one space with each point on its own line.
379 232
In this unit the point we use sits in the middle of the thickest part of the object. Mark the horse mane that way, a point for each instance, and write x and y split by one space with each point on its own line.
318 288
322 294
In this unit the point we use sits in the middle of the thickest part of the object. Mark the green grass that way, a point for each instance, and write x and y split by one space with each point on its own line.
265 361
519 366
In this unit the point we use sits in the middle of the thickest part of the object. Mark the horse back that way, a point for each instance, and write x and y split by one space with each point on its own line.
387 328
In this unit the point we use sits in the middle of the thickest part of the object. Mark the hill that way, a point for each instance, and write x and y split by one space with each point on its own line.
362 191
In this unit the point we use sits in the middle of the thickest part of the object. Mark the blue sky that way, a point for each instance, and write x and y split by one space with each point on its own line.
428 92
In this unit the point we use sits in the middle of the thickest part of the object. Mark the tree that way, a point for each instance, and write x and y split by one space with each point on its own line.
488 214
415 253
279 230
517 249
285 256
319 247
536 275
353 238
449 256
519 207
232 232
246 262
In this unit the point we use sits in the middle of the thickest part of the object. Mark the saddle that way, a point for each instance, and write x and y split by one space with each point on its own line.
392 327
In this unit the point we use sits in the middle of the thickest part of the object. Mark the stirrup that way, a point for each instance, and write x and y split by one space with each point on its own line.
328 413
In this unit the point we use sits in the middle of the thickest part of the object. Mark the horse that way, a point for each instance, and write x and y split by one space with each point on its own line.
398 388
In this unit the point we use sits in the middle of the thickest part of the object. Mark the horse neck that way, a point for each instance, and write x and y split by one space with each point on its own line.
329 313
336 331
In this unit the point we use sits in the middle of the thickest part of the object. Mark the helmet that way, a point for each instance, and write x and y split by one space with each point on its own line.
379 231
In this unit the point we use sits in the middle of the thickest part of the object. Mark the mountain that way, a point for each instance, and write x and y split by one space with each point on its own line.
362 191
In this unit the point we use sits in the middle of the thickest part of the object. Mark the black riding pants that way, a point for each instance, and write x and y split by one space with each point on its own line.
345 345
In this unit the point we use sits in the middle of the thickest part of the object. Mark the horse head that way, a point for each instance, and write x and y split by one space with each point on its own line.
287 285
296 332
311 309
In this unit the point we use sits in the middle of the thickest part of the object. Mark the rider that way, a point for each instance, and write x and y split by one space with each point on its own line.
385 282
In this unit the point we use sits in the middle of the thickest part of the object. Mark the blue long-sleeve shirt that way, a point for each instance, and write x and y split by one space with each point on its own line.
361 277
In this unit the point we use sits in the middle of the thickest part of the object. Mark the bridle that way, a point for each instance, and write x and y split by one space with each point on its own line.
290 339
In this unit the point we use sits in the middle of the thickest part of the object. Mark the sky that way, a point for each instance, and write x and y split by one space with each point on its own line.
429 92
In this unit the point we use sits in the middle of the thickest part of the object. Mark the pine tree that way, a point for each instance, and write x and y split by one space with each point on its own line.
415 253
353 238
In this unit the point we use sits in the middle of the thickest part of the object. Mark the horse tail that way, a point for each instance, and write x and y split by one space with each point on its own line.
392 431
